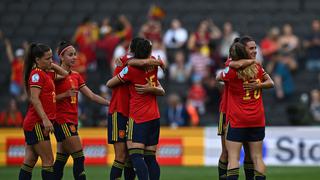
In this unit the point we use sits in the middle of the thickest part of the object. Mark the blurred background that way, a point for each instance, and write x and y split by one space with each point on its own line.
192 37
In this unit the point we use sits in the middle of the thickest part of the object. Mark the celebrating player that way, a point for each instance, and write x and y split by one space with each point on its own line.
143 125
245 111
38 79
66 126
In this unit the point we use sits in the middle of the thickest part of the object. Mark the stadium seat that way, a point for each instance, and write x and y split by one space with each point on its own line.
56 19
63 6
83 6
10 19
26 32
19 7
32 19
40 6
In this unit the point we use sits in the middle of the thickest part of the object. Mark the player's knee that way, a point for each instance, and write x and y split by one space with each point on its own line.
224 155
31 160
47 160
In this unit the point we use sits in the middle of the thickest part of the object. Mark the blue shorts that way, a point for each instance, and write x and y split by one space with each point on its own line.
245 134
222 124
62 131
117 127
36 135
146 133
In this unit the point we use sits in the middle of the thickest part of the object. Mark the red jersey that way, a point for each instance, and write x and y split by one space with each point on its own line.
245 108
224 96
67 108
120 94
143 107
17 71
43 80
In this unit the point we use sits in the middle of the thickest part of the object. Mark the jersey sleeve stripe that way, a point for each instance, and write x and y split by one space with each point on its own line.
120 79
36 86
82 85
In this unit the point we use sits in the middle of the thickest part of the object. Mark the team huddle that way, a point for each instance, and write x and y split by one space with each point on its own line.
134 117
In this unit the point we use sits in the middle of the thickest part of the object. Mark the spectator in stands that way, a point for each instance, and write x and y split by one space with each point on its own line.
284 64
124 30
269 47
228 36
11 117
17 61
176 113
197 95
199 62
179 71
151 30
85 37
175 37
312 46
200 38
158 50
288 41
105 27
315 105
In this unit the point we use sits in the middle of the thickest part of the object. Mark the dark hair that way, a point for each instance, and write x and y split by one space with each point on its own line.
62 46
245 39
143 49
238 51
34 51
134 42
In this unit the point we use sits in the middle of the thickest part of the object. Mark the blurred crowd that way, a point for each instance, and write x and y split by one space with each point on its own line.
192 59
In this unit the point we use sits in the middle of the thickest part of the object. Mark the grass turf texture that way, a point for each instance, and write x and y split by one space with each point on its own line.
177 173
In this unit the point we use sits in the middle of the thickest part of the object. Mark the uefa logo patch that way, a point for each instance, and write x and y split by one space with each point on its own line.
35 78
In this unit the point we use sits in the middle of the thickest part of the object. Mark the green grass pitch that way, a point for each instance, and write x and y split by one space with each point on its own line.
177 173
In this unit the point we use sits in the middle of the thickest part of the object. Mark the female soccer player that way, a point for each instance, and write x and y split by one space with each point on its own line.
223 160
245 111
143 125
38 80
119 112
66 126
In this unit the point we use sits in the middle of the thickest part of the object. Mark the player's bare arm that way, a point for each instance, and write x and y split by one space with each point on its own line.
113 82
68 93
61 73
242 63
93 96
265 84
147 88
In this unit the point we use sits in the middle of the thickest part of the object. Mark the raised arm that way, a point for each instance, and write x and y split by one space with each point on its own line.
93 96
9 50
60 71
242 63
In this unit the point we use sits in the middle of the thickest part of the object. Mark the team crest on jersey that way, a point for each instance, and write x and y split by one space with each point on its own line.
124 71
73 128
35 78
122 133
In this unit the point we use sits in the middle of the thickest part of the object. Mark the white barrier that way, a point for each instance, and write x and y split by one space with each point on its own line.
283 146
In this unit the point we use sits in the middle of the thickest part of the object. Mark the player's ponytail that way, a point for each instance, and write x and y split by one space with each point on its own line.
34 51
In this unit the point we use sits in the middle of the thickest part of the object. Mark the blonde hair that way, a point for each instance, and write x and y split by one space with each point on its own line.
248 73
